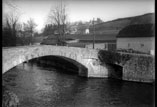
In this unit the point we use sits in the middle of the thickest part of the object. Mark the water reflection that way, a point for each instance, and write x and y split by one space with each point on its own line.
46 87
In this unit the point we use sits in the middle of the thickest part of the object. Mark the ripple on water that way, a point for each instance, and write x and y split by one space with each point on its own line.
40 87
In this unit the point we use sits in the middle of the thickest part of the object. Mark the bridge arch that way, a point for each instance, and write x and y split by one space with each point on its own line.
115 70
66 64
85 57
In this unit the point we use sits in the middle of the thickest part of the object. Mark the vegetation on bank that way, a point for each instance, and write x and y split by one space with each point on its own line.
113 57
121 58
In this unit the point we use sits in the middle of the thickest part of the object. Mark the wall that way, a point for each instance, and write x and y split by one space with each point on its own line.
72 41
135 43
104 46
96 46
136 67
139 68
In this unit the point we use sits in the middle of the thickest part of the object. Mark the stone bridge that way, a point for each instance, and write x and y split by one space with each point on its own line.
91 63
86 59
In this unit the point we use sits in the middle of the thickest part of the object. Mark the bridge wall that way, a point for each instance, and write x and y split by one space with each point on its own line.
86 57
136 67
139 68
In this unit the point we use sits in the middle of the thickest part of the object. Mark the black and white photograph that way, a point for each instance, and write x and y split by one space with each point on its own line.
78 53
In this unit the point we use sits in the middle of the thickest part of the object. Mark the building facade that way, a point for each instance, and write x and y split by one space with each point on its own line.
140 38
103 46
143 44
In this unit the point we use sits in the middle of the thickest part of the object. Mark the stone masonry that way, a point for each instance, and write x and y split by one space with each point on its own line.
86 57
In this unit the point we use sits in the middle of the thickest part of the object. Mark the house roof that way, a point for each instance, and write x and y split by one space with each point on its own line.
138 30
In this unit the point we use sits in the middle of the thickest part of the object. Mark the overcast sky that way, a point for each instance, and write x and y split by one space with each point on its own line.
81 10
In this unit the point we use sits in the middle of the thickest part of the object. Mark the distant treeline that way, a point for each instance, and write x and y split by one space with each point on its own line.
16 38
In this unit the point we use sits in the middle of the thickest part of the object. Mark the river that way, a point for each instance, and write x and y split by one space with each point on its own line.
40 86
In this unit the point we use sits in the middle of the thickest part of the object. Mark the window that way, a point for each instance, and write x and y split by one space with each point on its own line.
142 45
128 44
104 46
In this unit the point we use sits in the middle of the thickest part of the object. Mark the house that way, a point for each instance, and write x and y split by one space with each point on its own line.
139 37
87 31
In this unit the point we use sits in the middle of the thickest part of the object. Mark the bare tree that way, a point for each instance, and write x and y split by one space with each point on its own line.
11 21
58 17
29 27
10 24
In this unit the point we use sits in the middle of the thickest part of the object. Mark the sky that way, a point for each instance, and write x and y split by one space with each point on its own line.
80 10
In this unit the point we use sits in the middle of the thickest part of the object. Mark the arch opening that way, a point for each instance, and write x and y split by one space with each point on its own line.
115 71
67 65
61 63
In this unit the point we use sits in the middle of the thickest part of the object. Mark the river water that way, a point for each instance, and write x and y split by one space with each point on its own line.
39 86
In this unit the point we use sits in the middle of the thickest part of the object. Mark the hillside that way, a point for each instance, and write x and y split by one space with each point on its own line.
107 31
118 24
